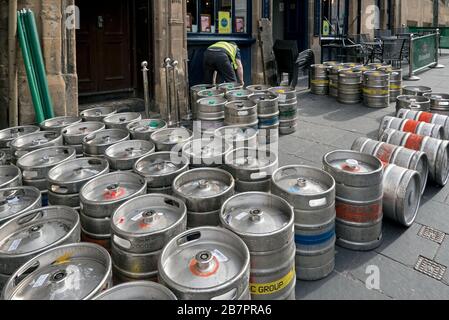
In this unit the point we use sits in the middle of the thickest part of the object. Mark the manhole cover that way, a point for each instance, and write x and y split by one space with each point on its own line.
432 234
430 268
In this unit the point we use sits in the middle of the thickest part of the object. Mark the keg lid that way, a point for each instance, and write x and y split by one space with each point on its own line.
122 118
106 137
302 180
148 214
172 136
100 112
37 230
147 126
140 291
263 96
241 105
160 164
437 96
14 201
203 259
10 134
230 85
47 157
206 149
8 174
352 166
59 123
83 129
203 183
235 94
212 101
77 170
264 162
236 134
210 93
72 272
258 88
257 213
418 89
34 140
133 149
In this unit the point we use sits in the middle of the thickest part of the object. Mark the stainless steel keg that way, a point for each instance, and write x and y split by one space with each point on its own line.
52 274
206 264
206 153
139 291
17 200
123 155
415 103
211 114
230 86
359 188
333 79
237 136
194 94
258 88
412 126
252 169
160 169
121 120
439 103
97 114
427 117
171 140
238 95
74 135
34 141
204 191
265 223
10 134
416 90
268 113
143 129
376 89
319 79
10 177
311 192
349 86
243 113
287 127
395 81
59 123
97 143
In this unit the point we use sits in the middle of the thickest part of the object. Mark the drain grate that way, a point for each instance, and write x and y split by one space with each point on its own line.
430 268
432 234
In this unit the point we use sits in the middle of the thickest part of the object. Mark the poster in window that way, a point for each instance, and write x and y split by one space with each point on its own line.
206 23
240 24
189 22
224 17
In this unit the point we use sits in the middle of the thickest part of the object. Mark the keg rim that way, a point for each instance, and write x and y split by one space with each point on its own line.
70 149
129 117
68 248
3 132
157 134
132 126
46 124
89 113
17 174
185 161
429 95
91 137
219 133
112 148
407 98
99 126
220 100
37 201
272 96
273 156
20 143
130 285
330 167
224 146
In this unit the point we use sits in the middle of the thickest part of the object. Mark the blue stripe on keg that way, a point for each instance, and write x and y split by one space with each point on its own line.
269 122
314 240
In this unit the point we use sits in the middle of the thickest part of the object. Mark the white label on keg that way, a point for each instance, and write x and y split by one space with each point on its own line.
220 256
29 174
137 217
242 215
444 103
282 97
40 281
14 245
243 113
318 203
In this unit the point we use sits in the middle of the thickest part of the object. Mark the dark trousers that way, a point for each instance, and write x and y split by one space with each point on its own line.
217 60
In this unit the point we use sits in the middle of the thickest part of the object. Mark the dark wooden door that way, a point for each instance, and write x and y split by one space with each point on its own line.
296 22
103 46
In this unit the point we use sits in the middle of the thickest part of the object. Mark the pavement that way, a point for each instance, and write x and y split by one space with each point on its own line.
326 125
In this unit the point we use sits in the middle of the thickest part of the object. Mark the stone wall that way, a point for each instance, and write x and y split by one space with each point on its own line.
4 85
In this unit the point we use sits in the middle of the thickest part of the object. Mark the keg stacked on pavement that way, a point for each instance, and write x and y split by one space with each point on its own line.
211 113
406 125
415 103
58 124
288 109
258 88
416 90
32 233
96 144
238 95
437 151
359 200
349 86
376 92
34 141
268 113
9 135
171 140
395 81
123 156
319 79
194 262
241 113
194 96
52 274
206 153
400 156
204 191
74 135
66 180
160 169
143 129
230 86
439 103
97 114
333 79
252 169
237 136
18 200
121 120
36 165
311 192
427 117
10 176
100 197
265 223
137 290
141 228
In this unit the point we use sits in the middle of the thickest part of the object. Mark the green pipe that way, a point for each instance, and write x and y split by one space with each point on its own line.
36 52
32 83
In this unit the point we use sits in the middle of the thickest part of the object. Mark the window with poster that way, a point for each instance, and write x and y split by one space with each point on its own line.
334 17
211 17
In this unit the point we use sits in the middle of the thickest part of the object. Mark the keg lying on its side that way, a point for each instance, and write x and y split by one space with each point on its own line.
58 124
439 103
204 191
66 180
252 169
97 114
311 192
359 188
206 153
34 141
171 140
194 262
319 79
10 177
52 274
265 223
34 232
17 200
241 113
412 126
139 291
416 90
400 156
96 144
143 129
74 135
427 117
123 155
121 120
160 169
437 151
414 103
100 197
141 228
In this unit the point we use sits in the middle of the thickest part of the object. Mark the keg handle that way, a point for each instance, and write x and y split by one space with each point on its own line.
191 237
20 277
31 217
59 189
125 244
90 138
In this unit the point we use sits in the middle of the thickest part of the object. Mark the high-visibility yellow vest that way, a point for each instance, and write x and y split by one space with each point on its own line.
230 49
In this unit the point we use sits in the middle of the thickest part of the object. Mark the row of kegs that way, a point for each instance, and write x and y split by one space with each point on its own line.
271 110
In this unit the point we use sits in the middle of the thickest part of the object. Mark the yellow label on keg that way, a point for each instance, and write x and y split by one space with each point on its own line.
260 289
63 259
320 81
395 86
375 91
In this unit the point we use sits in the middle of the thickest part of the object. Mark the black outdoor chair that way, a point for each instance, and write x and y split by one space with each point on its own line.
378 33
364 50
286 53
392 51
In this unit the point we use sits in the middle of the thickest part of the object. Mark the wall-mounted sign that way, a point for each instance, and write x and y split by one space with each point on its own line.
206 23
224 20
326 28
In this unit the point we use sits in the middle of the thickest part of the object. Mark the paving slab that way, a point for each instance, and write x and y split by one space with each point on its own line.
434 214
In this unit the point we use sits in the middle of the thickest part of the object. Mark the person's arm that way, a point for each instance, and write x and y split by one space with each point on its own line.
240 73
